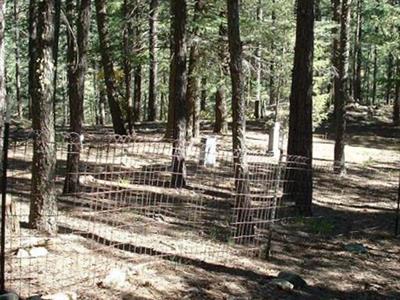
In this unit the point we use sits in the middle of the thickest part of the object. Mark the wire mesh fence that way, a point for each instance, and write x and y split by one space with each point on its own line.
118 202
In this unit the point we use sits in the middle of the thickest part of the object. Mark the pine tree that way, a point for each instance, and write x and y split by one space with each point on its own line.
244 229
300 115
108 67
341 87
77 67
179 75
43 205
153 109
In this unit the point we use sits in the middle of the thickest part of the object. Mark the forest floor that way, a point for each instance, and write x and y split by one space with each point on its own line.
347 250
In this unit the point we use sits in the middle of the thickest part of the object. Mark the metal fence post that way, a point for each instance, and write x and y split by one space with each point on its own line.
3 205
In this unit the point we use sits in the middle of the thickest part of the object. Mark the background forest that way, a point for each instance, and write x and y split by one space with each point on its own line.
139 37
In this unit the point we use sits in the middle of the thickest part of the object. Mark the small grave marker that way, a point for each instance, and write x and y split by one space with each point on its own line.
209 151
274 140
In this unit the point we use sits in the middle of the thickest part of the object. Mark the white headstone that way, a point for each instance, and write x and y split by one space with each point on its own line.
209 153
274 139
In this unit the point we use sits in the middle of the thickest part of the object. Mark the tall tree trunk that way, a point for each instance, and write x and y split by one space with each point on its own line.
341 91
203 100
244 227
300 116
108 66
169 131
3 104
153 76
43 205
17 60
137 96
77 66
193 89
335 5
57 21
357 95
137 68
389 79
221 122
396 103
32 28
367 78
163 98
258 64
179 16
272 87
127 36
374 75
220 125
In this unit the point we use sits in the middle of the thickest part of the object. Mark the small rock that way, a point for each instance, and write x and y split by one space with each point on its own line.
86 179
9 296
61 296
356 248
293 278
22 253
116 278
38 252
303 234
283 284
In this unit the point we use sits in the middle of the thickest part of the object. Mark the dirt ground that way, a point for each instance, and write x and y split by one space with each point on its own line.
347 250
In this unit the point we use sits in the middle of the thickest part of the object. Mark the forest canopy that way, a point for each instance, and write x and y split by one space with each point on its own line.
268 33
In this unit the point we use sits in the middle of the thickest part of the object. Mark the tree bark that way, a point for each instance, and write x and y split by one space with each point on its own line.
57 21
389 83
193 88
43 204
203 100
127 36
77 67
137 68
258 65
179 72
357 94
169 131
17 60
367 76
153 110
3 92
335 5
137 96
374 75
32 28
300 115
396 103
108 66
221 123
272 86
340 88
244 227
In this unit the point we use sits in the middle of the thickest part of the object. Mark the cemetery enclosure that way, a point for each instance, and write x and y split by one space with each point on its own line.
127 215
127 207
